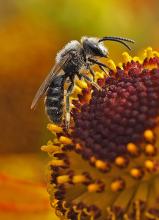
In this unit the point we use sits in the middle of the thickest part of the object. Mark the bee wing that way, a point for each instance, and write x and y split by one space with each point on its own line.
56 70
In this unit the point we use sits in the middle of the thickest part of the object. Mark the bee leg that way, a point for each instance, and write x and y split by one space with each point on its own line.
97 62
92 72
69 90
79 76
103 69
101 65
91 81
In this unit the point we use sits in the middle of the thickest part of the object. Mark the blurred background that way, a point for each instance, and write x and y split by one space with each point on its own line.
31 33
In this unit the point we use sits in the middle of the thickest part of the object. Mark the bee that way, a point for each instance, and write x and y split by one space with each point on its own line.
70 62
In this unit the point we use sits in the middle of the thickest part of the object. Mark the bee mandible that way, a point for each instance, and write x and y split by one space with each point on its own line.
70 62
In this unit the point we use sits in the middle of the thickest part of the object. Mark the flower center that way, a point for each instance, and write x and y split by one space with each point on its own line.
127 106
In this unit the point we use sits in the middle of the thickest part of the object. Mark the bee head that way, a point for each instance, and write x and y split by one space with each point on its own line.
93 47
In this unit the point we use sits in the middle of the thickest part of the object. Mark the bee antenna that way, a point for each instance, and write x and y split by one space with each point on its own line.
118 39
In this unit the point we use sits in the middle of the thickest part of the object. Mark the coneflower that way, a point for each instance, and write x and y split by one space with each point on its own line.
106 167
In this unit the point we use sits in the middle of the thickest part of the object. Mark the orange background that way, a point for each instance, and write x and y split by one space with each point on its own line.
31 33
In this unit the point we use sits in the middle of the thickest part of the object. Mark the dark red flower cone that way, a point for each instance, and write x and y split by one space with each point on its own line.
106 167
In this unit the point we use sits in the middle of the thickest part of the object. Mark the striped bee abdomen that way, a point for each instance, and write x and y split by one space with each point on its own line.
55 100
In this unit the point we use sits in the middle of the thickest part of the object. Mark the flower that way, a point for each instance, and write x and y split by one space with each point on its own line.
106 167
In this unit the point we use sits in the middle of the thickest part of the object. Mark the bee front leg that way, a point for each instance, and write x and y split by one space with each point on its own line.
68 93
102 66
91 81
103 69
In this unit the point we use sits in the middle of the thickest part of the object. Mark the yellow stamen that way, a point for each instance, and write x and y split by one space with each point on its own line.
136 59
57 163
78 211
79 179
50 148
82 84
132 149
99 75
54 203
149 135
102 165
54 128
111 65
150 149
155 53
77 90
120 161
149 52
126 57
66 214
88 213
63 179
136 173
58 213
120 65
111 214
65 140
150 165
94 187
64 205
117 185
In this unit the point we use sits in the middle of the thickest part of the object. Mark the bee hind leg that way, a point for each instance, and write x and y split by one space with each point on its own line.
91 81
68 93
